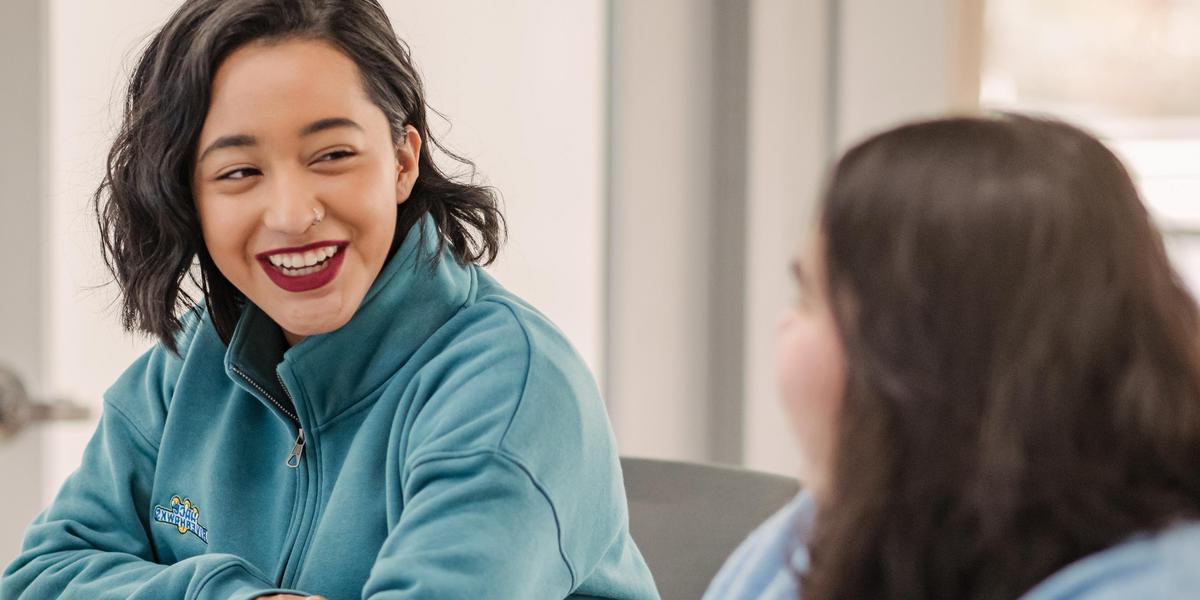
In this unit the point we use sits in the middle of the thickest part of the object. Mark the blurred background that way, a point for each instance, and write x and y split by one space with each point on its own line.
658 161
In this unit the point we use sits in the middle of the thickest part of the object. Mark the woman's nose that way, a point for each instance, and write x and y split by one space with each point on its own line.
290 205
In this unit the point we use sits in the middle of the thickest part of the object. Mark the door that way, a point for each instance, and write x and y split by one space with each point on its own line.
21 267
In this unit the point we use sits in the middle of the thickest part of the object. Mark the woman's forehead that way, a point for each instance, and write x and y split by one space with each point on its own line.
284 87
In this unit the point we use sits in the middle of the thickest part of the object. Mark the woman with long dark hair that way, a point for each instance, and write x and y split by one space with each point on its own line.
995 377
353 407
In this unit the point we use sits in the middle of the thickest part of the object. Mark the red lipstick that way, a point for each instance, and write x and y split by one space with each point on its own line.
311 281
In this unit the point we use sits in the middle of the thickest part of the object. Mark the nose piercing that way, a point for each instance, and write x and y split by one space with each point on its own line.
318 216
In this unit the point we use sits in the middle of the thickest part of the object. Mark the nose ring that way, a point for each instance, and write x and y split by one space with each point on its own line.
318 216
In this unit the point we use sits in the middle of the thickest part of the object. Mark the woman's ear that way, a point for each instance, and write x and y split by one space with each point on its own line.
408 155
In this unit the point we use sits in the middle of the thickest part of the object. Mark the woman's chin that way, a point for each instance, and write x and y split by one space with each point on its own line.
299 328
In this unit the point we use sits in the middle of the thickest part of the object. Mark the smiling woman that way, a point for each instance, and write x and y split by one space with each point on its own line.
354 408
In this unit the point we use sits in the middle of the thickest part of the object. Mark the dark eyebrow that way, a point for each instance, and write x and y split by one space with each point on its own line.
323 124
241 140
228 141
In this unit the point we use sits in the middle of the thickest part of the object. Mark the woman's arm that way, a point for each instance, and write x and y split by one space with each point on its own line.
509 487
93 541
475 525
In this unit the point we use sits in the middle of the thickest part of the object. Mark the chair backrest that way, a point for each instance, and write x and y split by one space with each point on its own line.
688 518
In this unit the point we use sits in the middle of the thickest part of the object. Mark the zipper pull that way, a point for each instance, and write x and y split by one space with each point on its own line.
293 459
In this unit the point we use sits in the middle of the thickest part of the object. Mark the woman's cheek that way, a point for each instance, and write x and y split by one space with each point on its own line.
811 376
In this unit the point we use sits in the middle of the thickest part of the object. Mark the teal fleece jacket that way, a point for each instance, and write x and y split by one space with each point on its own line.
447 442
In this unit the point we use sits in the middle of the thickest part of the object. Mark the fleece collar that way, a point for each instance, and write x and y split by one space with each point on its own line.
328 373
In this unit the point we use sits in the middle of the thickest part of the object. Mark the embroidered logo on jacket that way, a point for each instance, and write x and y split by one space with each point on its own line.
184 515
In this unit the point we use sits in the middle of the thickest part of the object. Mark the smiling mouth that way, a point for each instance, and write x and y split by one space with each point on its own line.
292 265
299 264
305 268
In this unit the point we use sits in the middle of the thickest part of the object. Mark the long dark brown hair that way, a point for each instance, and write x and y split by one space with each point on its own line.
1023 363
144 207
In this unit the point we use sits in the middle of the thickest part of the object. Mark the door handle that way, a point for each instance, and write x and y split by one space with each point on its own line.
18 410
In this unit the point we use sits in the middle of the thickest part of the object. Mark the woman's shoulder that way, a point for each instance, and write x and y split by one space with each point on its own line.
500 363
1165 564
492 297
144 392
766 564
505 323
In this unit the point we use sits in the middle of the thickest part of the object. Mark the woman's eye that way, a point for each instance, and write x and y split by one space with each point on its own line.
335 155
238 174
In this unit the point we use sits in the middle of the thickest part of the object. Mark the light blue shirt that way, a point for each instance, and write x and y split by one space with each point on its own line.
1165 565
765 566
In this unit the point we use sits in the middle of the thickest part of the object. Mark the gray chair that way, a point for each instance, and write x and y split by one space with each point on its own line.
688 518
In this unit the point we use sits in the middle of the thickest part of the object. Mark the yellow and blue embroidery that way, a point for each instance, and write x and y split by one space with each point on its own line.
184 515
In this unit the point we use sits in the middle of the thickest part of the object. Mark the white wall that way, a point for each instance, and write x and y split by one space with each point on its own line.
522 83
894 61
903 60
787 157
91 45
662 151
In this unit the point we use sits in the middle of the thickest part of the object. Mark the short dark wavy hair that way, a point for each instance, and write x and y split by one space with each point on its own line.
149 226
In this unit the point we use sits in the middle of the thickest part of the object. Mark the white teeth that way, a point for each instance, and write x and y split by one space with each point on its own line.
303 263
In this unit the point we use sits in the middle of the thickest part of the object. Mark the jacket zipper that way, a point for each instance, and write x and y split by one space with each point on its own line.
293 461
293 457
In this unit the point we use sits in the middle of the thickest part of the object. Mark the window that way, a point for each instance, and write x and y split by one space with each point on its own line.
1130 72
